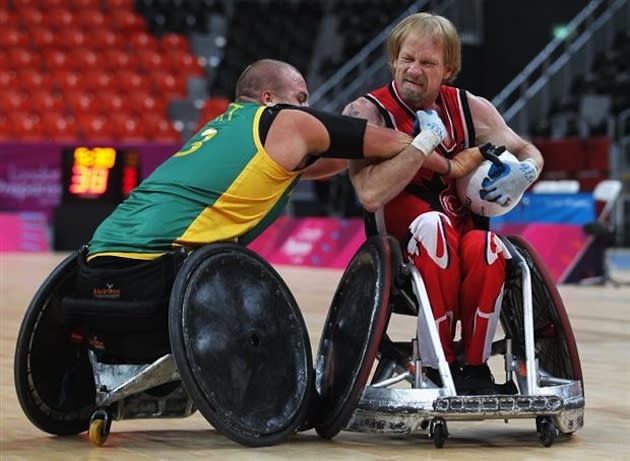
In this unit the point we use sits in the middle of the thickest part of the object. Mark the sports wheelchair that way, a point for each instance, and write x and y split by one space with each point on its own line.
230 342
369 383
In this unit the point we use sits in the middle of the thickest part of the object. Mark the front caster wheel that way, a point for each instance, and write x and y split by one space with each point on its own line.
438 432
100 423
547 430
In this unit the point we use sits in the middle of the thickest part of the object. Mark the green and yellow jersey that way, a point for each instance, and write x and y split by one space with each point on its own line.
221 186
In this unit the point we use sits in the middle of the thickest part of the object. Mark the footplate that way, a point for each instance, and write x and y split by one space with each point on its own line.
404 411
500 405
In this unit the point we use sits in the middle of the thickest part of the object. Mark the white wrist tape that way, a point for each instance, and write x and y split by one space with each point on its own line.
533 164
426 141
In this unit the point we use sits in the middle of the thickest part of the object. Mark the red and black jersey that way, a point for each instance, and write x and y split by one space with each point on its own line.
452 106
453 110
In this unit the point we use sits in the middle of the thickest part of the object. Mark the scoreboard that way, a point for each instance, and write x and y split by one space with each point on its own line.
103 174
94 179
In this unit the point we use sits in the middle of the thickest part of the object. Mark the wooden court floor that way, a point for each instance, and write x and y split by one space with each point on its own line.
600 316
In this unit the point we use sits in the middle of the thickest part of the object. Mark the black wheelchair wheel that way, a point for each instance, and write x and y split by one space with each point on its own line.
352 333
53 376
241 345
556 348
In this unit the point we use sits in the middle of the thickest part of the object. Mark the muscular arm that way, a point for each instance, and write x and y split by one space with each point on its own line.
376 183
294 134
490 127
325 167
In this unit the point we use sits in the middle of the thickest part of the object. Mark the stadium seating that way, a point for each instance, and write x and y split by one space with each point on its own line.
91 64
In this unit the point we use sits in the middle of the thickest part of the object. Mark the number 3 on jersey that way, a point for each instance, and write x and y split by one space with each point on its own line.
206 135
209 133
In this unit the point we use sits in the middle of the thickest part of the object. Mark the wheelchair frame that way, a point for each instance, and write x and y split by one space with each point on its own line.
556 402
175 384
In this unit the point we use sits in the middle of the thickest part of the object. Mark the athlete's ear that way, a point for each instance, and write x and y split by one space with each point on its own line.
266 97
447 74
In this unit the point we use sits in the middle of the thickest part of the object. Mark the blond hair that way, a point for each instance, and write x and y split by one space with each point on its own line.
428 25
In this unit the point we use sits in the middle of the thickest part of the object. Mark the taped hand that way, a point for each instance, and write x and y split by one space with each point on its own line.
431 131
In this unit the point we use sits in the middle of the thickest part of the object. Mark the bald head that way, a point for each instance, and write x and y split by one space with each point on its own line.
272 82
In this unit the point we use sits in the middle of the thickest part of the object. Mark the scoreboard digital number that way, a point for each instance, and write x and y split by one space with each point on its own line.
99 173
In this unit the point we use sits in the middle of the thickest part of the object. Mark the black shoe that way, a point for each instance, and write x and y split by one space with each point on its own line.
434 374
475 380
507 388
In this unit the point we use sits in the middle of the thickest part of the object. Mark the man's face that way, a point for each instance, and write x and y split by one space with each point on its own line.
419 70
292 90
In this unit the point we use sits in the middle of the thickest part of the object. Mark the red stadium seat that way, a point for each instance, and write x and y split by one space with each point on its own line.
21 4
81 103
170 86
11 36
42 37
113 102
174 42
97 80
126 128
43 100
141 40
60 18
29 79
127 21
72 37
159 129
144 102
117 60
95 128
56 126
48 5
84 59
93 19
25 126
8 18
130 81
104 39
13 101
22 58
119 4
180 62
55 60
65 80
8 78
150 61
31 16
80 5
214 107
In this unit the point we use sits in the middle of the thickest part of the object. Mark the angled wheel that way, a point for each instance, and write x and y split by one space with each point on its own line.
100 425
352 333
53 376
556 348
241 345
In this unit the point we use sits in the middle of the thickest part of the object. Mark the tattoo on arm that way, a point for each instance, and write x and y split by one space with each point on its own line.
361 108
352 112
